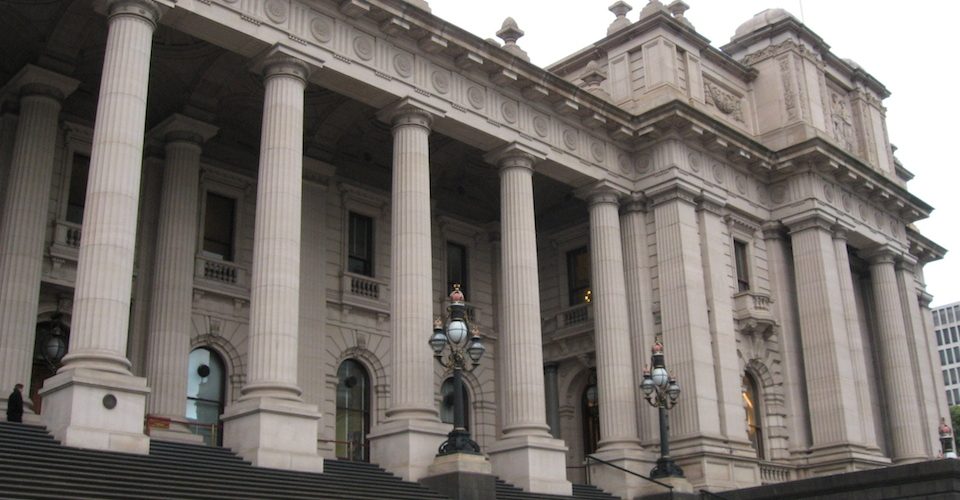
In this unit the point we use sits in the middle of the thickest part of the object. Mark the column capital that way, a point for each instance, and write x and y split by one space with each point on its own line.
906 262
281 60
925 298
881 254
710 202
635 203
601 192
813 219
148 10
34 80
515 154
772 230
675 189
411 111
181 128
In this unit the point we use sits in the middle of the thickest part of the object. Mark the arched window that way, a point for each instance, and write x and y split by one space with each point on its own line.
353 411
751 407
590 409
446 403
206 381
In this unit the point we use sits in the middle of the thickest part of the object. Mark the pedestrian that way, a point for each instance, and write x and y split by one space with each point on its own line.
15 404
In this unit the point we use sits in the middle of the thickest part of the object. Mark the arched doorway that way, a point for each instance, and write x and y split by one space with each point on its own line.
50 346
446 403
590 410
206 381
751 408
353 411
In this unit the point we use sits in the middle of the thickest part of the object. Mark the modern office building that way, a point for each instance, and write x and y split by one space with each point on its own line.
946 322
234 221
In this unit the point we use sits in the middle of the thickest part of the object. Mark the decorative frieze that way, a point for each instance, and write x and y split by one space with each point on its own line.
726 102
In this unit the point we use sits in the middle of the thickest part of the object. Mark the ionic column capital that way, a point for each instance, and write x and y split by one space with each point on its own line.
635 203
880 255
601 193
411 112
515 155
772 230
282 61
148 10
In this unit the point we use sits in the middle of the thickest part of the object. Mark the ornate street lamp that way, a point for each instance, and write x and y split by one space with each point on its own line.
451 348
51 341
946 440
661 391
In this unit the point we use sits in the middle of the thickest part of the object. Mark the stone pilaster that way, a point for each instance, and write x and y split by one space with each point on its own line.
785 310
857 354
271 400
715 242
636 270
168 337
927 370
94 401
407 442
926 317
619 439
683 312
902 406
527 455
23 220
834 408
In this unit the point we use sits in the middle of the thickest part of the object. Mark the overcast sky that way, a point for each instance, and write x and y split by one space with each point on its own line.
907 46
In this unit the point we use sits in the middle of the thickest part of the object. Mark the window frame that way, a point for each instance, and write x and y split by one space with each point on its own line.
742 259
371 260
583 293
229 185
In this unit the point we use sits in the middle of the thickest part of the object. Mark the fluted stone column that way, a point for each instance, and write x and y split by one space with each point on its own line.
902 405
168 337
636 270
926 317
927 370
834 407
526 455
270 400
683 310
857 354
94 401
785 310
23 220
407 442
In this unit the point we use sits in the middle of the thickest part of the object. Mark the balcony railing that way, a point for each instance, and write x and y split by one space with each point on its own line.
220 271
364 291
579 314
66 240
751 310
771 473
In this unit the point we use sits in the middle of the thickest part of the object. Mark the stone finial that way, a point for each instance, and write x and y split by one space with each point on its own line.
510 33
677 8
619 9
652 7
592 78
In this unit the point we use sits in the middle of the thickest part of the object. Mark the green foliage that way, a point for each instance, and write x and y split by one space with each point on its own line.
955 422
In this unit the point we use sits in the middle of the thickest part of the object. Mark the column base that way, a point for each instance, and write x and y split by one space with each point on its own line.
94 409
617 482
407 447
536 464
462 476
274 433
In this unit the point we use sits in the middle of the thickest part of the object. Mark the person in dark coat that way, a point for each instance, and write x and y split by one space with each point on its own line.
15 404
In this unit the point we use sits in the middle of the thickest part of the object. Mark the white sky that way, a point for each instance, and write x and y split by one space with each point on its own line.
906 46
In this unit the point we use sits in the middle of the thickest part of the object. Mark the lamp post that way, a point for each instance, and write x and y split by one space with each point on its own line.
946 440
661 391
452 346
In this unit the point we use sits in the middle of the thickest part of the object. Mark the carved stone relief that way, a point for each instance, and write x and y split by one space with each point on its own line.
726 102
842 120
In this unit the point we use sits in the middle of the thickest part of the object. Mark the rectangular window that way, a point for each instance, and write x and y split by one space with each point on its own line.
943 359
946 379
456 267
953 333
943 316
950 356
218 225
949 397
360 245
578 276
936 319
956 395
743 270
956 354
956 312
950 315
77 195
939 338
953 375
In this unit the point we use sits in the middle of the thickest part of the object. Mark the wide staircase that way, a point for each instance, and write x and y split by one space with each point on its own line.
35 466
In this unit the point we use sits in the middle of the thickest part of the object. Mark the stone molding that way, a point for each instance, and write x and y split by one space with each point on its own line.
148 10
411 111
34 80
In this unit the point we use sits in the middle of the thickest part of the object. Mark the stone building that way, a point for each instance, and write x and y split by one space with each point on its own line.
235 220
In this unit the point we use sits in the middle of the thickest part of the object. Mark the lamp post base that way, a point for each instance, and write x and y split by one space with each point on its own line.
458 441
666 467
